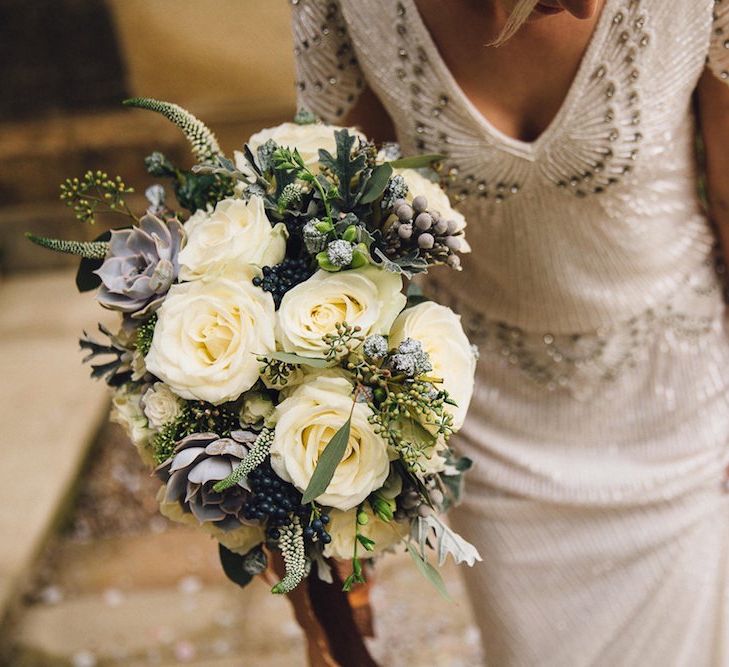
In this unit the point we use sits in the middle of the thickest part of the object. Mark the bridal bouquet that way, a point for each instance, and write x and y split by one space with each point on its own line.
268 365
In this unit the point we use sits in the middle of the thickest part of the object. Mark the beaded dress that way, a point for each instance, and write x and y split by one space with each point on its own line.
599 426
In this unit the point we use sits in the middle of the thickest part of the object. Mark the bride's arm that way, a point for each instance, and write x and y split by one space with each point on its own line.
713 100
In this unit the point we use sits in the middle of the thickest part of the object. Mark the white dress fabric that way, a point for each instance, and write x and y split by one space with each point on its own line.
599 427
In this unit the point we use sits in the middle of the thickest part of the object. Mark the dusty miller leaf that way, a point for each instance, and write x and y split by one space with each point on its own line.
448 541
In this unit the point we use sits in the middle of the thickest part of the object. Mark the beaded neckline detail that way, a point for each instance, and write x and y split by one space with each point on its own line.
592 142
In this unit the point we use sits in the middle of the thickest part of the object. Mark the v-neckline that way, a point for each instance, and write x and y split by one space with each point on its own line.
527 149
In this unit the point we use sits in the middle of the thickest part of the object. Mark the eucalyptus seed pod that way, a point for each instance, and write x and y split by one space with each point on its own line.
453 226
405 231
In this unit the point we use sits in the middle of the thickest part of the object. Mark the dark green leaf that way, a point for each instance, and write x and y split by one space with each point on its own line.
376 183
327 464
416 161
429 572
344 166
366 542
242 569
297 360
86 279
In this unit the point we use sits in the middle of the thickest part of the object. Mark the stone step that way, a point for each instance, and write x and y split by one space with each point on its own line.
50 411
161 599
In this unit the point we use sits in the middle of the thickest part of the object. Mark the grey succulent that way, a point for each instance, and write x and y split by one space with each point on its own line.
140 266
198 463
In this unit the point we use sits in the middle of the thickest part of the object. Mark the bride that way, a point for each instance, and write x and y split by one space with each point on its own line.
600 423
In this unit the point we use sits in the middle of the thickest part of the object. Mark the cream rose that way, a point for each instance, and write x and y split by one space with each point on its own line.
342 528
224 241
440 332
207 337
437 200
240 540
306 422
369 297
161 405
307 139
128 412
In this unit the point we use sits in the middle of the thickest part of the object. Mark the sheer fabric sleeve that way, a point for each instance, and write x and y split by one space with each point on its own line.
328 77
719 46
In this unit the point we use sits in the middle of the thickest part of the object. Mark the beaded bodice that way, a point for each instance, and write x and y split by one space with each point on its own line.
588 229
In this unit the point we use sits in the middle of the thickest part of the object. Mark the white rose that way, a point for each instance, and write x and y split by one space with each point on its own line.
127 411
369 297
437 200
207 337
161 405
439 330
240 540
343 526
305 423
257 408
307 139
235 234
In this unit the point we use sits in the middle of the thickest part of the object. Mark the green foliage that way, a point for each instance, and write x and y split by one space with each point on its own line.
291 544
204 144
86 279
305 117
345 339
408 264
327 464
376 184
116 370
241 569
145 333
195 417
297 360
255 457
93 192
428 571
345 165
87 249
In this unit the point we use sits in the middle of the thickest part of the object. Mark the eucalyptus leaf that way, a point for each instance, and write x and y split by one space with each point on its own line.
376 183
416 161
429 572
327 464
298 360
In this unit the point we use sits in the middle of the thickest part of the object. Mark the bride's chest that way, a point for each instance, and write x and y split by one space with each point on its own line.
630 93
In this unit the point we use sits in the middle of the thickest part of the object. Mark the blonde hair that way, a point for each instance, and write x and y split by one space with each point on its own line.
516 20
